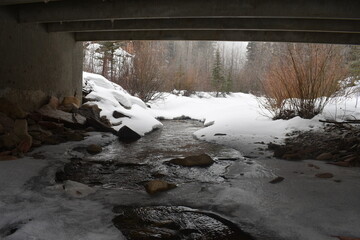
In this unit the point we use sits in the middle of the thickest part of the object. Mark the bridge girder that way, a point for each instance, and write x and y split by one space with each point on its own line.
322 21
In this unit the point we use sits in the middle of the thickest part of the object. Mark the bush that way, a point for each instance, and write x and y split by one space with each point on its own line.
142 77
302 79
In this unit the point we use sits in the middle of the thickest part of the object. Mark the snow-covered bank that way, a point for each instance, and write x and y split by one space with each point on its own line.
110 97
240 117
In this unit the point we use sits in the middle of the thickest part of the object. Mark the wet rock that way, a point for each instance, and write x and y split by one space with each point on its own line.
72 120
126 134
155 186
94 149
60 176
77 190
174 223
324 175
100 126
202 160
117 114
90 111
325 156
341 163
277 180
11 110
313 165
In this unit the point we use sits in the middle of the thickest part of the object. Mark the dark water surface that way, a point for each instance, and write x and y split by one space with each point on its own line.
129 166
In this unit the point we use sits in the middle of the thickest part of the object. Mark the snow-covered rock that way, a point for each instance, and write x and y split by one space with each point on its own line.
111 97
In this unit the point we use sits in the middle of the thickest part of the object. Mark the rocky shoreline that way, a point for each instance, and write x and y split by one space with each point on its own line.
337 144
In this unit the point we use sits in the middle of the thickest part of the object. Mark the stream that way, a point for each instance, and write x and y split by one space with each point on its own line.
128 166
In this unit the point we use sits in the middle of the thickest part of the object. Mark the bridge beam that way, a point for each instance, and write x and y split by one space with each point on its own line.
63 11
266 36
270 24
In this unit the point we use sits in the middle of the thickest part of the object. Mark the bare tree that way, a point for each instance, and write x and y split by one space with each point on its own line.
143 78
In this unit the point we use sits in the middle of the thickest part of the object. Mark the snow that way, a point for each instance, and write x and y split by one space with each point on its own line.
111 97
240 117
32 203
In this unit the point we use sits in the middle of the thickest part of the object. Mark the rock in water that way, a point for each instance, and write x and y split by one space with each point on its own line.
324 175
174 223
277 180
202 160
77 190
126 134
155 186
94 149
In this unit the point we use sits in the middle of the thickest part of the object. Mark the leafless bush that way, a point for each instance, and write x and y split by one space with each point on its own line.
142 77
302 79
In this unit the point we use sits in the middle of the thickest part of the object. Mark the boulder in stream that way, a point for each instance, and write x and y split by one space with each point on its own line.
174 223
155 186
126 134
202 160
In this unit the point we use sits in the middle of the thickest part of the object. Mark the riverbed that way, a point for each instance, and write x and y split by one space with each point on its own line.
234 194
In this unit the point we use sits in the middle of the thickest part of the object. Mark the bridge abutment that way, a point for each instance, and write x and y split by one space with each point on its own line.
35 64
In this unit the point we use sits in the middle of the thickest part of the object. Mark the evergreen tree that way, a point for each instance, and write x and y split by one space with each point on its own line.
218 79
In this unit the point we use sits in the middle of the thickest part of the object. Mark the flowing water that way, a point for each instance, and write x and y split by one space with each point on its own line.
128 166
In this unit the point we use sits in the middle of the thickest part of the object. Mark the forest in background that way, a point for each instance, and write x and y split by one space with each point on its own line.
278 71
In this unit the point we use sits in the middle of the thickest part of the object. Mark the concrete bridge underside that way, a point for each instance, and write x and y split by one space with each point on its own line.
40 45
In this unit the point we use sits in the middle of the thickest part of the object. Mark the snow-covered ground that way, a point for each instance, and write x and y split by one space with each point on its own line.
240 117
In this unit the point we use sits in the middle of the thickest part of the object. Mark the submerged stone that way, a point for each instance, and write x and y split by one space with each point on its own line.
155 186
94 149
202 160
175 223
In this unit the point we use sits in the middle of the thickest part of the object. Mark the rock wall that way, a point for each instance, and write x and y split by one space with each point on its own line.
35 64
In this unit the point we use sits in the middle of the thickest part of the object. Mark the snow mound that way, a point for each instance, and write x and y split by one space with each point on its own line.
111 97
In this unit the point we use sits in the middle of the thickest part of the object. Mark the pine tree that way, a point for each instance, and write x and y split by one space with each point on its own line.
218 79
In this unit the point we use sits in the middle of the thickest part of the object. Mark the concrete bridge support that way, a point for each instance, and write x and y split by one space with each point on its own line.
35 64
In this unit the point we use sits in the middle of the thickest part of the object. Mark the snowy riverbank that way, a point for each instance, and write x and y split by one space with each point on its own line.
240 117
